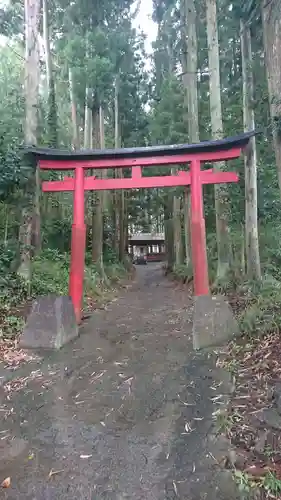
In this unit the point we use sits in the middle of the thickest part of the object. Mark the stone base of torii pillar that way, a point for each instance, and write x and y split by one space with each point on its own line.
50 325
213 322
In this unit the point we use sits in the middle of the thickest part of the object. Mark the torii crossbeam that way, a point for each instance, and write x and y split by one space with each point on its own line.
136 158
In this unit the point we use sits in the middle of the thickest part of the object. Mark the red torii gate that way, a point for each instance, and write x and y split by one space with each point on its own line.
136 158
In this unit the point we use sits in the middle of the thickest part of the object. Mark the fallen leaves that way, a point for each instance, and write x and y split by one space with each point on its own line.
188 428
21 382
12 356
6 483
54 473
257 367
96 376
175 488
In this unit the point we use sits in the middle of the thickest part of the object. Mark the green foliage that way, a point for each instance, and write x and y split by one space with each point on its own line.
97 41
14 173
50 273
167 120
12 287
270 235
115 272
262 315
182 272
249 486
52 117
13 291
11 19
259 302
57 234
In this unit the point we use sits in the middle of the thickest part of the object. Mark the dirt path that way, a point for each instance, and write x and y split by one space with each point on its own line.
125 412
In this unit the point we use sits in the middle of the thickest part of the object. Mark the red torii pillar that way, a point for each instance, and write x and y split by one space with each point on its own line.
196 178
78 244
198 232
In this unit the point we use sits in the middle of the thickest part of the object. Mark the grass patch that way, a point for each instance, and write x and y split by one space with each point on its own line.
257 305
182 273
248 485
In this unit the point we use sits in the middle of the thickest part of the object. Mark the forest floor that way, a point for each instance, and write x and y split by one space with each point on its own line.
252 421
11 356
124 412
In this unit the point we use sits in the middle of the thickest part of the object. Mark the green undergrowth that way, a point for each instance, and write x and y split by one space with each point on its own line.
50 275
262 313
249 486
182 273
257 304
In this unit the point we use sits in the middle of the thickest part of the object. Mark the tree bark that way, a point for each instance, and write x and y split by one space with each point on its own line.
52 119
192 72
97 243
116 173
221 192
119 198
88 119
169 231
6 227
48 58
271 17
187 232
191 90
75 129
251 210
96 145
31 211
177 230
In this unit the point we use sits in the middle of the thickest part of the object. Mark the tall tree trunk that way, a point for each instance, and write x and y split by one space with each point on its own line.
221 192
169 231
251 209
116 173
6 228
97 243
52 119
192 72
120 234
175 221
191 90
96 145
75 129
187 232
186 195
123 230
31 211
177 230
271 16
88 119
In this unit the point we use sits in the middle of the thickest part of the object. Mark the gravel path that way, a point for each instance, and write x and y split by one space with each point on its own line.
125 412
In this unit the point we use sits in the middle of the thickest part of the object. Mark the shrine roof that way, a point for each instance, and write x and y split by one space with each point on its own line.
239 141
150 237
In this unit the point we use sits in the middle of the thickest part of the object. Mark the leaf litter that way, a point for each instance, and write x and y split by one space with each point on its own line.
6 483
257 369
12 356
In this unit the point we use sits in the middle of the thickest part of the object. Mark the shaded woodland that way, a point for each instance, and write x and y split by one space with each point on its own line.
77 76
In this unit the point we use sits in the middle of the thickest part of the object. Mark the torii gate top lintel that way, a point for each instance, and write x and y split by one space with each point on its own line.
136 158
214 150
